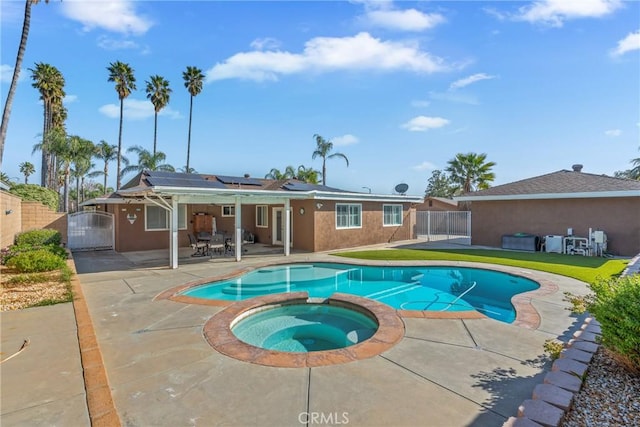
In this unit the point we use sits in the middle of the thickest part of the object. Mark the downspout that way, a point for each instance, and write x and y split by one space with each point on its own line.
238 229
287 226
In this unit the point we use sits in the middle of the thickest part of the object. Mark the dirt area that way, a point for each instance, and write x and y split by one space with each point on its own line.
14 296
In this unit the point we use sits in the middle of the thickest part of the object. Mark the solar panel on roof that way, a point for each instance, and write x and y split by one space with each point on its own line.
168 179
238 180
303 186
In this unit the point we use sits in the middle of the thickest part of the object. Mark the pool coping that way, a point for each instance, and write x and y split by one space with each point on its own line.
217 332
526 314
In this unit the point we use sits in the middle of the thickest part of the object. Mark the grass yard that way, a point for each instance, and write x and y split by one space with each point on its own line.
586 269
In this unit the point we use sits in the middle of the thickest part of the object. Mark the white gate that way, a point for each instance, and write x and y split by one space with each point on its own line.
450 226
90 230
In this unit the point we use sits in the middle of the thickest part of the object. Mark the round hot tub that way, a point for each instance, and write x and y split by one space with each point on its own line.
304 327
294 331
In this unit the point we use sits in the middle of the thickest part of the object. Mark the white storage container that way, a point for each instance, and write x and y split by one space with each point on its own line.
553 243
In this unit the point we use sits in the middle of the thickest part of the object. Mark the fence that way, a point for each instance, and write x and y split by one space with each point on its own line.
451 226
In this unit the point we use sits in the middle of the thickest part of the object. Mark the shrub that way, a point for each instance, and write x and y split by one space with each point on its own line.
36 261
15 250
36 193
39 237
616 305
554 348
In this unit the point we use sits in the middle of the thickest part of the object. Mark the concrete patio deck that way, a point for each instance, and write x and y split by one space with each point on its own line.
444 372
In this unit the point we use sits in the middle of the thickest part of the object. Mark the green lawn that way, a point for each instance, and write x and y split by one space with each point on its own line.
586 269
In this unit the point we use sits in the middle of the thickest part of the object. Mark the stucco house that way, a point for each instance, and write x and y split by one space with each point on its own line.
552 204
158 210
437 204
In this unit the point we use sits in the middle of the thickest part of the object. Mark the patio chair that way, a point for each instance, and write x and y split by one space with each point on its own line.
216 244
230 245
199 248
247 236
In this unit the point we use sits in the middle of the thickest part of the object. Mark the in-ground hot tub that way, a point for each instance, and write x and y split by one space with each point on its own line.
291 330
312 326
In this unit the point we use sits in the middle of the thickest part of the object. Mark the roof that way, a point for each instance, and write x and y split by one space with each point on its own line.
560 184
200 188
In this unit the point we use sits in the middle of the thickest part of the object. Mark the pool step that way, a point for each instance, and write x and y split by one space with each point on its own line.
257 289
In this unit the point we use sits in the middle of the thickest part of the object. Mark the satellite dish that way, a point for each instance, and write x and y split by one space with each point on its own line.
402 188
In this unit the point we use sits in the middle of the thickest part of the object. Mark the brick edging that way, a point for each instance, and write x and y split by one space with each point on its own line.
552 400
102 411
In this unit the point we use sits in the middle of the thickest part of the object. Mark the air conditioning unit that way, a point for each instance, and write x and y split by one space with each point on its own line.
553 243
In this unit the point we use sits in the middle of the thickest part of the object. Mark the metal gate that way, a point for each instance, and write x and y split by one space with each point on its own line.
451 226
90 230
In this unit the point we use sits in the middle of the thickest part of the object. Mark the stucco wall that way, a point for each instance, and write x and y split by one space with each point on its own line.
328 237
619 218
36 216
313 230
11 223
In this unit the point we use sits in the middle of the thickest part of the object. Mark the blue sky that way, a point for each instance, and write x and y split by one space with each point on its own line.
399 87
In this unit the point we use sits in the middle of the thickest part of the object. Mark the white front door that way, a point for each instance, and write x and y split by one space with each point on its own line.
277 235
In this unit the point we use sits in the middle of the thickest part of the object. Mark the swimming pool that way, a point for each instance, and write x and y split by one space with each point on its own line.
429 288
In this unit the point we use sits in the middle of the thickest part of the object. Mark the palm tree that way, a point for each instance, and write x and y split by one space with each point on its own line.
26 24
470 172
275 173
107 153
27 168
309 175
80 170
50 83
187 169
148 161
193 79
122 75
158 92
323 148
71 150
634 172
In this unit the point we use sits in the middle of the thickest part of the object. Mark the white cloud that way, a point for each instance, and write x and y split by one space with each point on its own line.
116 15
419 103
469 80
613 132
627 44
324 54
6 74
109 43
424 123
69 99
266 43
404 20
346 139
424 166
136 109
555 12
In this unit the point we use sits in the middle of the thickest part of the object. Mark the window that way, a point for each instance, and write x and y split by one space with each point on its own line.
391 215
228 210
157 218
262 219
348 216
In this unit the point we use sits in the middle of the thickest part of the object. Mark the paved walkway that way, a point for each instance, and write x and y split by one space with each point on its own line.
162 371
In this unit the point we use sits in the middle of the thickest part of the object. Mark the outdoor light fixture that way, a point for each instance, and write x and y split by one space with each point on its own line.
319 205
301 211
8 212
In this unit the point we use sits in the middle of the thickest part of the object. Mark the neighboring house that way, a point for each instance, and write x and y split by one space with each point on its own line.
551 204
437 204
321 218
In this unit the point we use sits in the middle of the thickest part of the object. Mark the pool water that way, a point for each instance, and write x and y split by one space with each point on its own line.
305 328
432 288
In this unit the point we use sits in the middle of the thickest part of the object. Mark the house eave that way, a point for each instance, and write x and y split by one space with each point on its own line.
540 196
